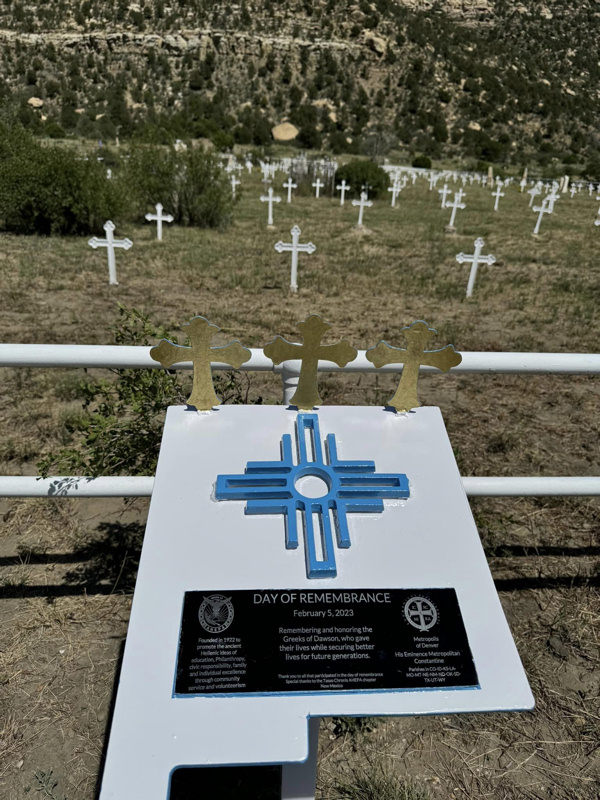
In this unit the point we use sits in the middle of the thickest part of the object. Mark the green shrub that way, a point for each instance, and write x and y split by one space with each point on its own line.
50 190
422 162
190 185
360 173
119 428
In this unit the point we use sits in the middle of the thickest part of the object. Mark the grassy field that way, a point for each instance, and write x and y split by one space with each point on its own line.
68 566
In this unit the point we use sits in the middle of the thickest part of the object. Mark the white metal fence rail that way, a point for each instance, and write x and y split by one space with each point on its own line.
136 357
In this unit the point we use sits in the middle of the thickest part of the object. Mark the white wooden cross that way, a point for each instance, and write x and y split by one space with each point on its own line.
432 181
362 204
455 205
475 260
497 194
110 243
289 185
343 187
249 166
444 192
234 182
318 186
545 208
533 192
294 248
395 190
159 218
552 198
270 200
573 190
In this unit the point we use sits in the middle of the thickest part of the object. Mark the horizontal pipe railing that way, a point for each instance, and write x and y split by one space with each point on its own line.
128 486
138 357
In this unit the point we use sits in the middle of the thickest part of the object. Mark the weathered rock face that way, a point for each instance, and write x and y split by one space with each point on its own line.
35 102
285 132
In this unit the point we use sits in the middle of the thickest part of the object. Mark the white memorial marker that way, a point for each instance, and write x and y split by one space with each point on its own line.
159 218
497 194
543 209
318 186
249 166
289 185
475 260
432 181
343 188
110 243
455 205
552 198
362 204
270 200
234 182
224 608
444 192
573 190
533 193
294 248
395 190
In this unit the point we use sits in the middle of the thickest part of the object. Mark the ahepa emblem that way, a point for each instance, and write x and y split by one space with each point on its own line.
216 613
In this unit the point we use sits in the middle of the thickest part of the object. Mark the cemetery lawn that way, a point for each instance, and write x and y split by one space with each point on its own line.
68 566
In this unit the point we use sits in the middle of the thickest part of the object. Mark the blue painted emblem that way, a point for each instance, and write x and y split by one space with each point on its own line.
271 487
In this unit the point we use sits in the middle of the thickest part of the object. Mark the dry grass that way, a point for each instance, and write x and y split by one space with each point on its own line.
67 567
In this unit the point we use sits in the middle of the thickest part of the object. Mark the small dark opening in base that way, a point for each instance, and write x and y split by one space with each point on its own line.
225 783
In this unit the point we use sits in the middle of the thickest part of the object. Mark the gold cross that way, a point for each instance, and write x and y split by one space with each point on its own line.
203 396
417 335
309 353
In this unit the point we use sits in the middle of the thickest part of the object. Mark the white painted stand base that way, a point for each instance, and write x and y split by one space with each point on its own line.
195 543
299 781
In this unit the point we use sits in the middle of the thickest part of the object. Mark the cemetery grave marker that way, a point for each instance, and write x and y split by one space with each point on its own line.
395 189
475 260
159 218
270 199
343 187
294 247
444 192
234 182
236 647
318 186
289 185
362 204
545 208
533 192
110 243
454 205
497 194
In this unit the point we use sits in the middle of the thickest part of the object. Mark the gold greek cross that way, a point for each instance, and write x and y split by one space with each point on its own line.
200 353
310 352
417 335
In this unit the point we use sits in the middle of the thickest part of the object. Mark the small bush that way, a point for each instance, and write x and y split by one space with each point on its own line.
119 428
50 190
190 185
363 173
422 162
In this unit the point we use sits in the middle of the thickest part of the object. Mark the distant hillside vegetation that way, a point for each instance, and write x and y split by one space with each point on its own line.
490 80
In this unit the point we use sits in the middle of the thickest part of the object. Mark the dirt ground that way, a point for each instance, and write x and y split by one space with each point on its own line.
67 567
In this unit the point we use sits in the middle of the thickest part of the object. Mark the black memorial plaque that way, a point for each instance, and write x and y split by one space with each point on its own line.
296 640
